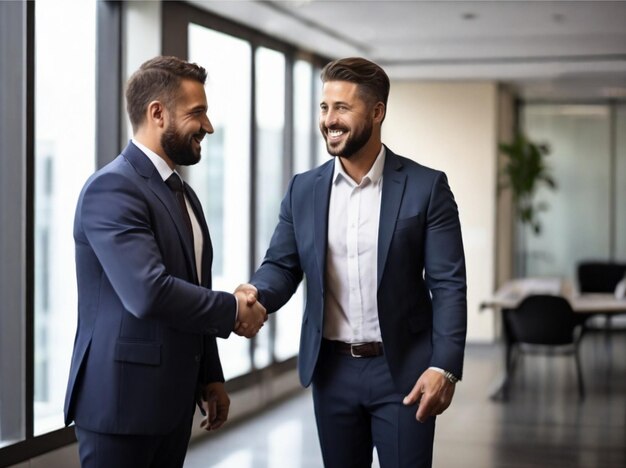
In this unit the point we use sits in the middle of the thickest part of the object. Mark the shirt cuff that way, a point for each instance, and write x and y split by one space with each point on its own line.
448 375
437 369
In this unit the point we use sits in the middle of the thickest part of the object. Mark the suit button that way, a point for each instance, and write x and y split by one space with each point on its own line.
198 357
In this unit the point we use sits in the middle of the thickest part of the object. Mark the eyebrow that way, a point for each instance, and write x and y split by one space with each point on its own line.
199 108
336 103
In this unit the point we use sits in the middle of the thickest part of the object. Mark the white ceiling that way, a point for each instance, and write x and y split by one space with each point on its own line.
546 49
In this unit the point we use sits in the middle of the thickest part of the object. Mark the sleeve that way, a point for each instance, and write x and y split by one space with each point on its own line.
280 273
211 366
446 279
116 222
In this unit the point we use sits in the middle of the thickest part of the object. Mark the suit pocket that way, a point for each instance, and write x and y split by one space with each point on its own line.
407 223
138 353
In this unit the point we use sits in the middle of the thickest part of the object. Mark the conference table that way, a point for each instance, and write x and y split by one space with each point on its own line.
511 294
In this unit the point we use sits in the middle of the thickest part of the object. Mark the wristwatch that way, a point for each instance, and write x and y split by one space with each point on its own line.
450 376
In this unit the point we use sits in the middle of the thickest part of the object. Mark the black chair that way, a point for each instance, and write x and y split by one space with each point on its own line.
544 324
599 277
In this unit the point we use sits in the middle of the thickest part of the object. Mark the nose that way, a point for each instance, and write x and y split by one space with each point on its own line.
206 124
329 118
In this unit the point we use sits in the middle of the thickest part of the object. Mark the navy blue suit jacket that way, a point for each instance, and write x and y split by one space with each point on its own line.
421 294
146 330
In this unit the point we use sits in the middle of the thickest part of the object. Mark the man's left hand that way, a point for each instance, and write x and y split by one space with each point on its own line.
216 403
433 394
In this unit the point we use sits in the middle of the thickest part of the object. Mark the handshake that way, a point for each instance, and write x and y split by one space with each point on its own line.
251 314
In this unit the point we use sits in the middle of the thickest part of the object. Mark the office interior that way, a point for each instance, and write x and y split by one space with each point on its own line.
465 77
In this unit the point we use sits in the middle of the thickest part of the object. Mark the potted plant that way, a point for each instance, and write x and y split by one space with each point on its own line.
524 172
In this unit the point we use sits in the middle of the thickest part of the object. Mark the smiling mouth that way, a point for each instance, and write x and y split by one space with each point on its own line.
335 134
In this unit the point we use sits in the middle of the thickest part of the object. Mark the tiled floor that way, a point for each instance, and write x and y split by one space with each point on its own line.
542 425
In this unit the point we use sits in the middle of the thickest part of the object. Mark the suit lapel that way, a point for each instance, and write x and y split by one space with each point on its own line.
321 200
394 181
146 169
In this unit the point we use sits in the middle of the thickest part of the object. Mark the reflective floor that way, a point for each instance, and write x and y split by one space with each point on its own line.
543 424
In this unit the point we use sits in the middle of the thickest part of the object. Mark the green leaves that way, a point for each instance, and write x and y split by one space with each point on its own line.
524 173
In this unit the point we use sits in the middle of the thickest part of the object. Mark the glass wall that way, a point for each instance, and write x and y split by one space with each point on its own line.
579 223
64 158
221 178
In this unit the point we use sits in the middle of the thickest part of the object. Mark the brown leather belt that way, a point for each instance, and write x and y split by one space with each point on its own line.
358 350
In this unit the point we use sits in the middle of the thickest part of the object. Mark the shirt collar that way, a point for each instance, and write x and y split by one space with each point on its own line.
374 174
159 163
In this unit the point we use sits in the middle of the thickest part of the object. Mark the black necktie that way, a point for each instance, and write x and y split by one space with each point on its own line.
176 185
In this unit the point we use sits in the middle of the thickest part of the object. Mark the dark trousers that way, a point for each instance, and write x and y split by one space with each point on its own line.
357 408
100 450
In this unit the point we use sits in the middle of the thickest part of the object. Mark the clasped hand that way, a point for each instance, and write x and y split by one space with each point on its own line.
252 315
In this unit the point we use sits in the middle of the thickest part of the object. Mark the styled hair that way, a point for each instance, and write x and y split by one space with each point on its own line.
158 79
373 82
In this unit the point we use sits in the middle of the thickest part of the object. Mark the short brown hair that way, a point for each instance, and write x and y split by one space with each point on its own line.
372 81
158 79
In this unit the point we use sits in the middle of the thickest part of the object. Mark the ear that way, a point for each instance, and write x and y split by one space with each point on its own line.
379 112
156 113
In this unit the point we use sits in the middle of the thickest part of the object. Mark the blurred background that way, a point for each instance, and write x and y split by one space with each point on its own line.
500 95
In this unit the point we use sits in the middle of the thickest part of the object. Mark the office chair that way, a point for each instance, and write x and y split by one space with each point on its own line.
549 325
599 277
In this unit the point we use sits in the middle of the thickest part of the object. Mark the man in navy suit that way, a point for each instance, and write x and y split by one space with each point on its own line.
145 350
379 240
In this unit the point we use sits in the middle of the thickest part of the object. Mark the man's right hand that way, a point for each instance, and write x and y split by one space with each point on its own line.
252 315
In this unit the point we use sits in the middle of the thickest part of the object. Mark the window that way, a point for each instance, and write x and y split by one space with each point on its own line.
221 179
64 158
289 319
270 127
322 152
304 116
262 106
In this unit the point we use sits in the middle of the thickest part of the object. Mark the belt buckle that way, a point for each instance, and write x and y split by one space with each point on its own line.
352 346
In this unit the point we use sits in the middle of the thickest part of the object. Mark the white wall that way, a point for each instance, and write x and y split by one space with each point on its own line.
453 127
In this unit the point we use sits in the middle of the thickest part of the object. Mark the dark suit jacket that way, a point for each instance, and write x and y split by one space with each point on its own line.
421 295
146 330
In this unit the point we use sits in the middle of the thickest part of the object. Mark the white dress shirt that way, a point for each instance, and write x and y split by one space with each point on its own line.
351 308
165 171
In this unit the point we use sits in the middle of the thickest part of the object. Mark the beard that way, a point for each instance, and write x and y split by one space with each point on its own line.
352 144
180 148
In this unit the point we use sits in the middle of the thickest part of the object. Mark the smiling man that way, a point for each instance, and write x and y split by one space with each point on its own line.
145 350
378 237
